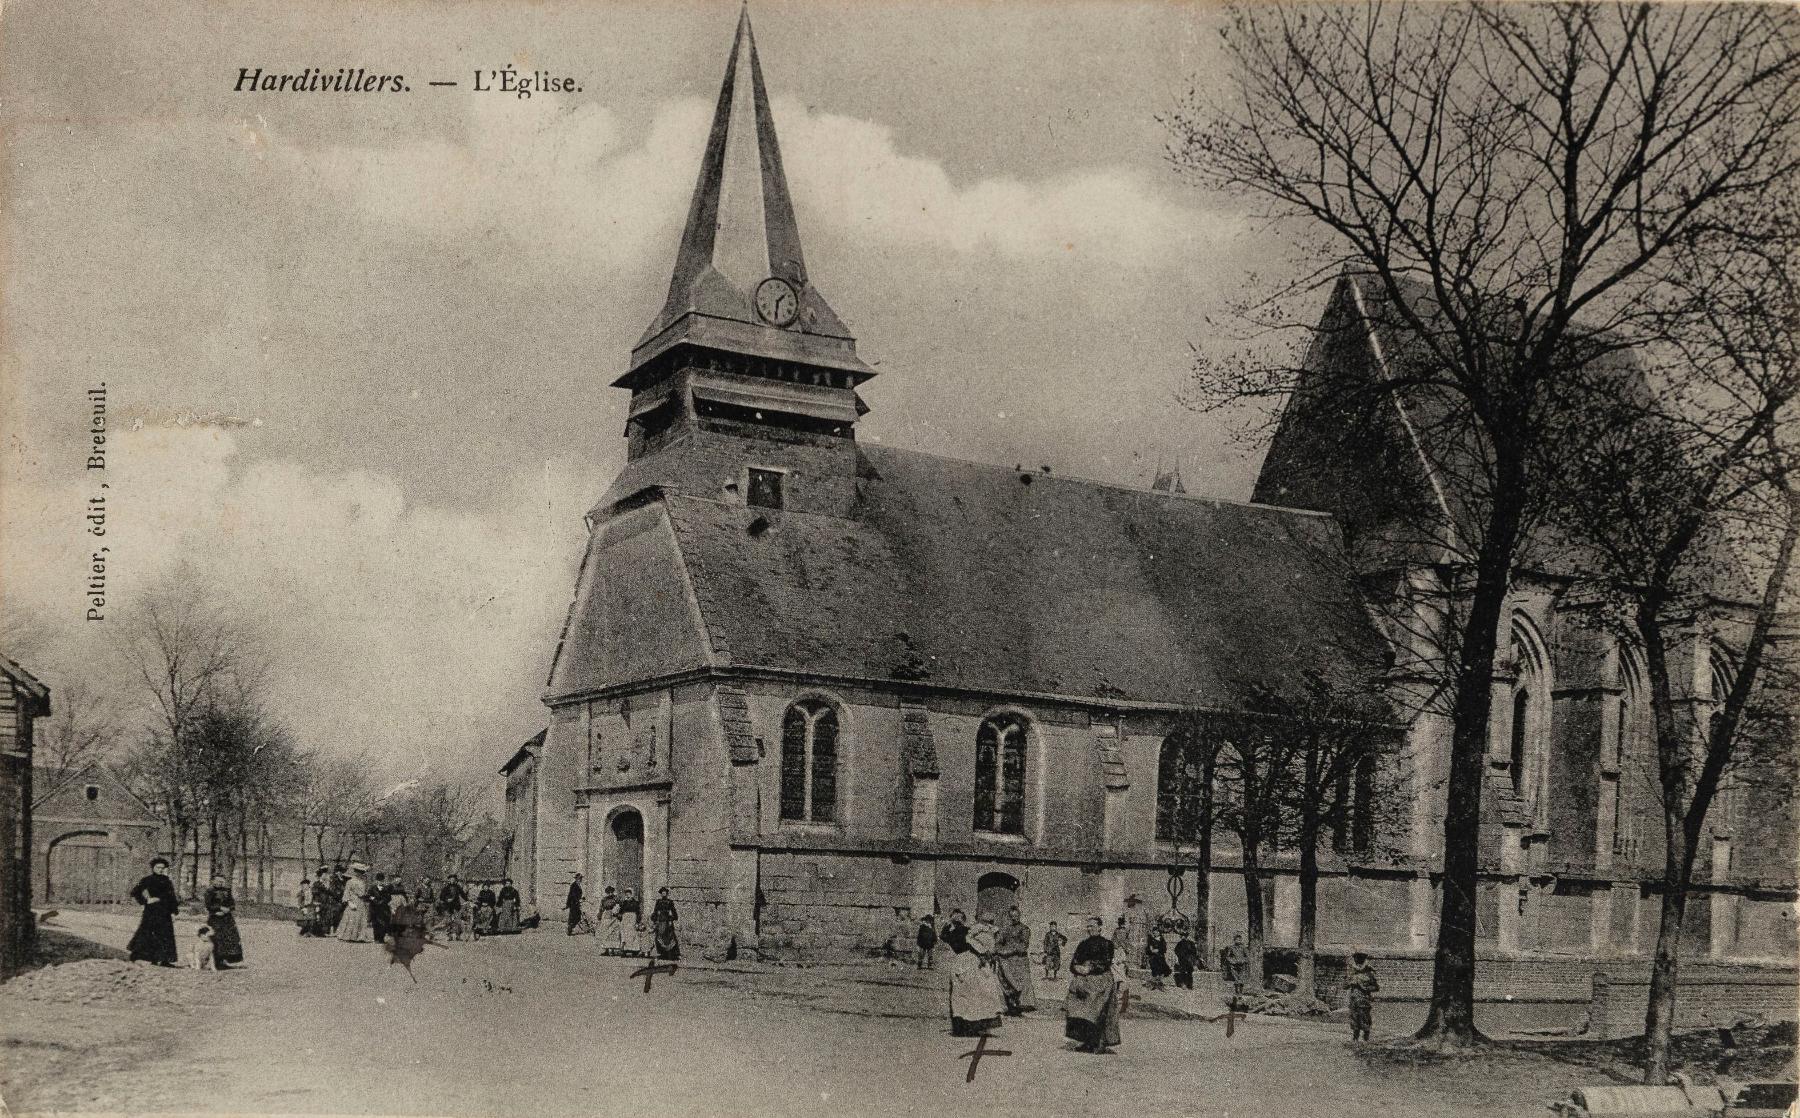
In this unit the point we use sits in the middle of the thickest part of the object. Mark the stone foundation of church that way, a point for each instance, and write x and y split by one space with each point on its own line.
832 905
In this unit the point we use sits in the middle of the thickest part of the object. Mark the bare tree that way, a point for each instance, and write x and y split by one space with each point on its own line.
1342 783
1685 494
81 732
1509 182
193 659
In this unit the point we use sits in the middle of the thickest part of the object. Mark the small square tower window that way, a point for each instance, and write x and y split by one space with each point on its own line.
765 489
93 791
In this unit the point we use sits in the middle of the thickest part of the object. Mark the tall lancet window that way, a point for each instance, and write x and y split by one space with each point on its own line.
809 740
1631 735
1528 754
1727 802
1000 775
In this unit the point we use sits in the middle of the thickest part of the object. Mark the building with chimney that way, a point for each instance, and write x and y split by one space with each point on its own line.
819 688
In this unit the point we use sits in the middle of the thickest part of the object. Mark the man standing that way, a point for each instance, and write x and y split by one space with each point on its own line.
1235 961
1360 987
1136 936
1012 961
339 878
324 903
573 904
450 898
380 898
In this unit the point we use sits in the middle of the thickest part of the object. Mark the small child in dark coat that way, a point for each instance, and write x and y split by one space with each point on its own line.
1053 945
927 942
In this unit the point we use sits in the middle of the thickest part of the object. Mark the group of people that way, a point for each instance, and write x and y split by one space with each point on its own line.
991 975
343 902
618 921
154 939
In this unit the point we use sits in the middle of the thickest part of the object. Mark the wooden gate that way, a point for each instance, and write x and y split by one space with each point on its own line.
78 870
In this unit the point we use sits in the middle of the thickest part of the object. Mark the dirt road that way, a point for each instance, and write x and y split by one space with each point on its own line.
540 1024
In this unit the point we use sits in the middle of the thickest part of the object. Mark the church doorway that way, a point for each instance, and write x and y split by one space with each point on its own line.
626 865
995 893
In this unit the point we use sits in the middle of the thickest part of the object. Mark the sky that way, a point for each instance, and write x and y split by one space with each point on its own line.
358 348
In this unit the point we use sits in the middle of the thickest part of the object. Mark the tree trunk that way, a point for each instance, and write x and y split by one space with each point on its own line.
1451 1018
1309 905
1659 1019
1203 882
1253 911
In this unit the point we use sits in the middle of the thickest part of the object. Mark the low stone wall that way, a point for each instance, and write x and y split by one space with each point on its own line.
1707 994
1615 991
1406 976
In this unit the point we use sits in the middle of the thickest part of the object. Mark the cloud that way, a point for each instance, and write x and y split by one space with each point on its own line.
417 633
566 178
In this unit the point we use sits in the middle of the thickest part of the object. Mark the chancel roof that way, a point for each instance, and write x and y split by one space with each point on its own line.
973 576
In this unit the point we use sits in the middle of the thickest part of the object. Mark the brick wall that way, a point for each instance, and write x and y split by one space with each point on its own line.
1615 991
1707 994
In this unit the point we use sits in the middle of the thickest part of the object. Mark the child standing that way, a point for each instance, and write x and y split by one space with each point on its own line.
927 943
1360 986
1053 945
1157 950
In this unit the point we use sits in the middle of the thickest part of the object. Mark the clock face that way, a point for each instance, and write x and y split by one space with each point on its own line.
777 303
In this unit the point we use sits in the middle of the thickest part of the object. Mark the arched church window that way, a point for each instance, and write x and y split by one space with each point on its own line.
1180 777
1726 801
1000 775
1521 729
1628 736
809 740
1530 732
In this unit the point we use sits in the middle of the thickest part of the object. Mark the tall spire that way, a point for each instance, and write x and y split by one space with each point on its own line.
740 281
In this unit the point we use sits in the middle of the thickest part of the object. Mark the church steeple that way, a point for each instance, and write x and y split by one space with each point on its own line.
740 286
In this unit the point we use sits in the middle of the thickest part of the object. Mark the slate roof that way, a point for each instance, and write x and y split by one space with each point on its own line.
982 577
532 744
27 684
1416 493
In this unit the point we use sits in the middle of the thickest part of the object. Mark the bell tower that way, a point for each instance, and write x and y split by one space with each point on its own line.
745 345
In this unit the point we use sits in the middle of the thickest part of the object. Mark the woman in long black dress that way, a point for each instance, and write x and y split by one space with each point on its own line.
663 918
1094 1001
154 941
228 947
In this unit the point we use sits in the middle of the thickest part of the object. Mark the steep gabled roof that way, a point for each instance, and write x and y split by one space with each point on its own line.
741 231
982 577
530 749
36 692
64 796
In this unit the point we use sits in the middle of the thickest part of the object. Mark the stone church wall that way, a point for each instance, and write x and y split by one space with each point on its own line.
558 845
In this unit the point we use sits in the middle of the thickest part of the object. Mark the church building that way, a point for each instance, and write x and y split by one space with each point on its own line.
819 688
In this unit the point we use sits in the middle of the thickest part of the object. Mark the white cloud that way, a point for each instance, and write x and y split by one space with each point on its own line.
418 633
564 180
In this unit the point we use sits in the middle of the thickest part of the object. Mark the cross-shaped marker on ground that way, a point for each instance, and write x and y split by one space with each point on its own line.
974 1057
1231 1017
651 970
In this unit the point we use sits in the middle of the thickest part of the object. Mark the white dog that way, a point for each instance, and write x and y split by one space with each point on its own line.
203 951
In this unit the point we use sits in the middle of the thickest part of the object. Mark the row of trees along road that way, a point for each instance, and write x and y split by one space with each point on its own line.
1542 196
226 776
